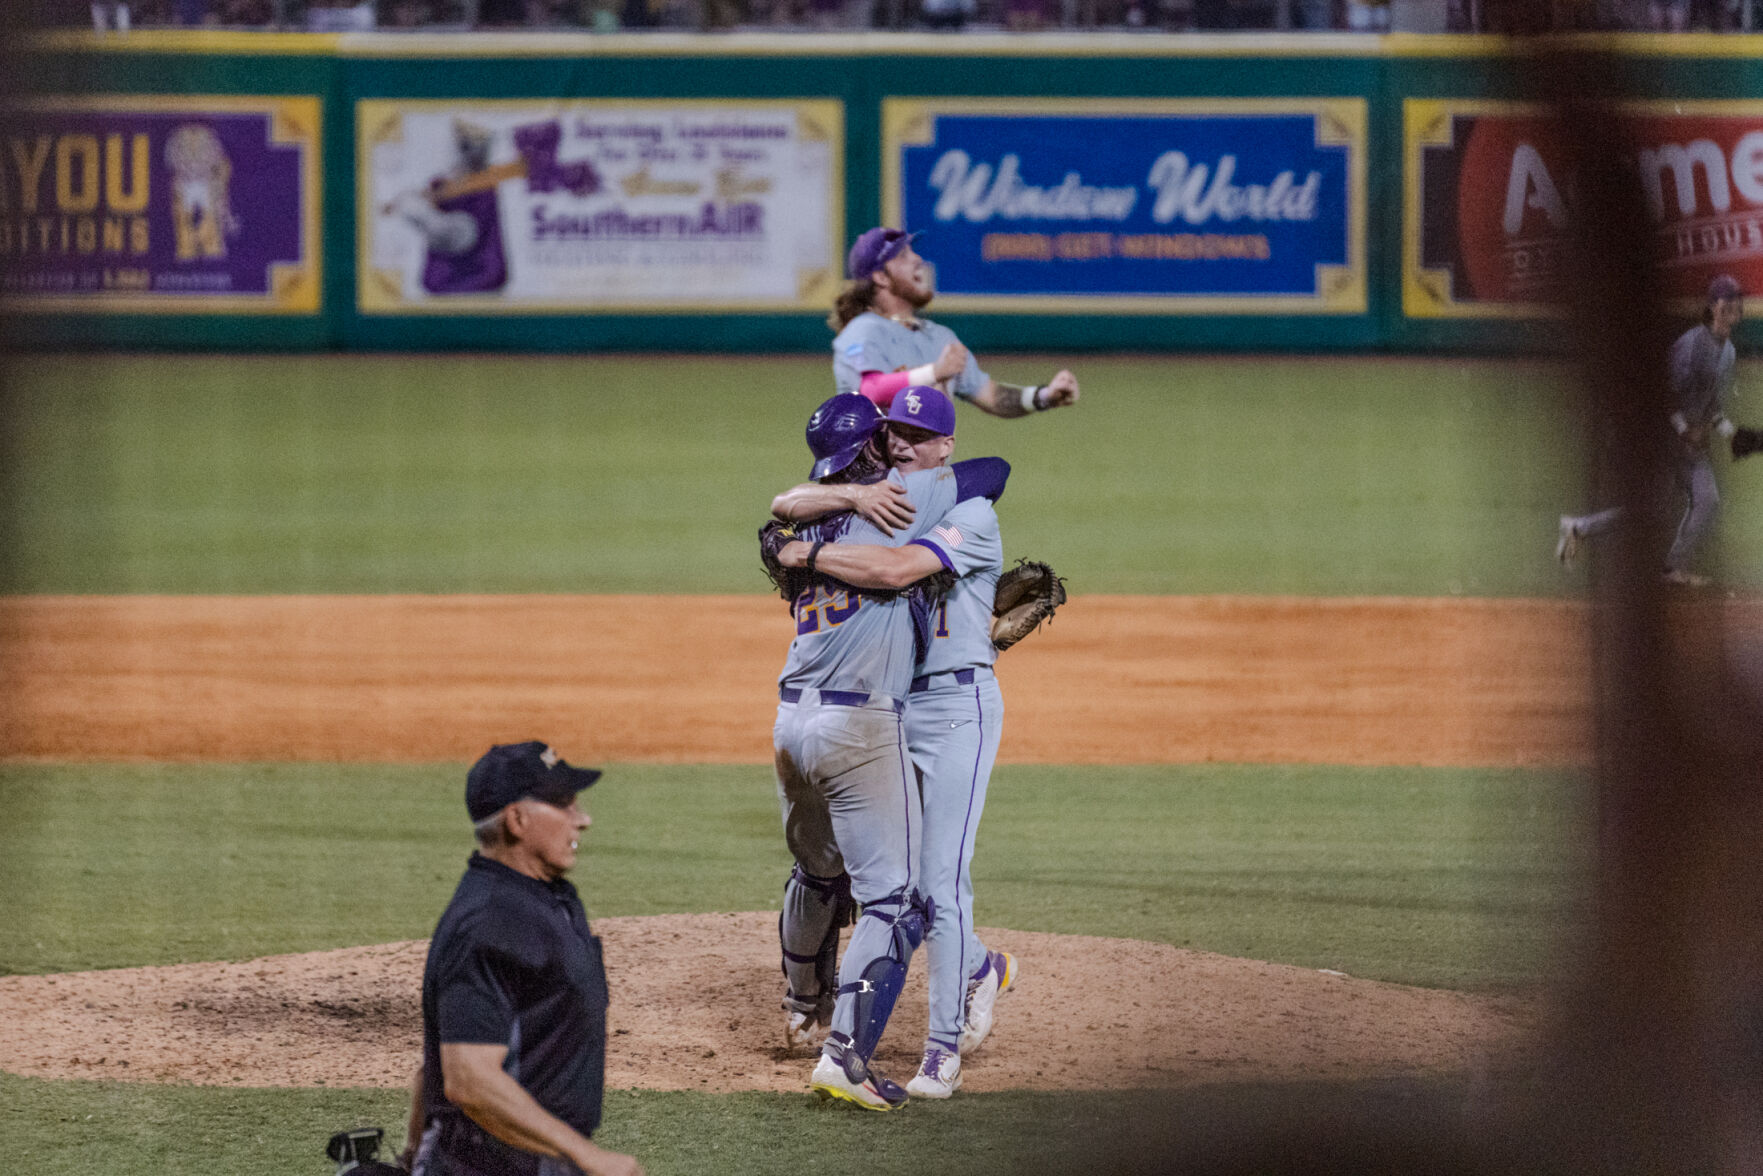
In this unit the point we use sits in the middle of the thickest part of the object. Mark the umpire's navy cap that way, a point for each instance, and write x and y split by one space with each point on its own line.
510 771
875 249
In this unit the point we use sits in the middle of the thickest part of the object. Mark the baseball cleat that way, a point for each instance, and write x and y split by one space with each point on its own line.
803 1031
832 1079
939 1075
1567 542
1683 579
983 992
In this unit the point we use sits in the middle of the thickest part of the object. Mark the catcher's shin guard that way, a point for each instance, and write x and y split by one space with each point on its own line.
907 915
808 934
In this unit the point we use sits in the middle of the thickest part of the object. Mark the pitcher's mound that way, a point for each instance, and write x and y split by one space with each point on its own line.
695 1006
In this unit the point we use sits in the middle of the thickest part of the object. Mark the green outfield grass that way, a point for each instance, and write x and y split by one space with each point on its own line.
79 1128
1447 878
302 473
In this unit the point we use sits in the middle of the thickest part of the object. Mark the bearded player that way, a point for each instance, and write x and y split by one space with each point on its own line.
954 717
883 346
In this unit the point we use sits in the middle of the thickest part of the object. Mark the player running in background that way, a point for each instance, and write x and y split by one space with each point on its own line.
883 346
954 720
1702 363
849 798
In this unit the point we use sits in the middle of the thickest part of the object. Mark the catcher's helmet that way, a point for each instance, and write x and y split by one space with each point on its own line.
838 431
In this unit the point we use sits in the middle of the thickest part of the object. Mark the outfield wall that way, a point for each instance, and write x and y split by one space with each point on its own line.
681 192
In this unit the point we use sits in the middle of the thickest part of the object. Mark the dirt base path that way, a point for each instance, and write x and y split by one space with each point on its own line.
696 1008
1115 679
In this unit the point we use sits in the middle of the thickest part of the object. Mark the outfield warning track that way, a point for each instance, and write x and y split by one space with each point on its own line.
691 679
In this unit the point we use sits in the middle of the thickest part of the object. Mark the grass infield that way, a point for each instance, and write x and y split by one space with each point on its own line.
1446 878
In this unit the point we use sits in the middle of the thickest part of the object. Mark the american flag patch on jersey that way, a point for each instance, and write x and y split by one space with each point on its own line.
950 534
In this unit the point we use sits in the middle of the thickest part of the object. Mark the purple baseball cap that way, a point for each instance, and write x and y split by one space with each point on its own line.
875 249
924 407
510 771
1724 288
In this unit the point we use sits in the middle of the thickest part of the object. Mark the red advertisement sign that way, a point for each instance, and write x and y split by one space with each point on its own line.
1496 202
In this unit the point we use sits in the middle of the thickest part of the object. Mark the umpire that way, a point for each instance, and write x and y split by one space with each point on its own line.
514 991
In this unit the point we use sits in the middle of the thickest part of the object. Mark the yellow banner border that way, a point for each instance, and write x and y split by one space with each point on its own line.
1341 289
377 294
295 288
1427 293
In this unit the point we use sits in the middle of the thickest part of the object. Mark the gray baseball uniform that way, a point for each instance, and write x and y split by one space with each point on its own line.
1701 368
875 343
954 721
846 788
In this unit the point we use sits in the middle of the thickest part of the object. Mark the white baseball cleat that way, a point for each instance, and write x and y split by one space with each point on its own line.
939 1075
869 1090
1567 542
1684 579
983 992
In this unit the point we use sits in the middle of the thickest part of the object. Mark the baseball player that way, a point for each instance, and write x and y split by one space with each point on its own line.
1702 363
883 346
463 232
849 799
954 719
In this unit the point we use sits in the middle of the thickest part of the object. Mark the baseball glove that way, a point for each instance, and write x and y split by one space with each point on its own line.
1746 442
1027 595
789 582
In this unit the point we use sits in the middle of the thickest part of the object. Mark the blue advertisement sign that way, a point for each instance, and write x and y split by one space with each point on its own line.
1206 207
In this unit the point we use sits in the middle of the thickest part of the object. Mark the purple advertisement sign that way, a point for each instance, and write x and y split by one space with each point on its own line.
160 204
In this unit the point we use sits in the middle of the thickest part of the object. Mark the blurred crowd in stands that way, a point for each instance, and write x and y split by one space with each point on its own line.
1499 16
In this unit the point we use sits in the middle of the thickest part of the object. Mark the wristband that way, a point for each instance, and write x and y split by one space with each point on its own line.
812 552
1031 399
1679 424
923 374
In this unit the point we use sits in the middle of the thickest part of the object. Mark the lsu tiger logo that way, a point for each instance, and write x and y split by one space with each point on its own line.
202 209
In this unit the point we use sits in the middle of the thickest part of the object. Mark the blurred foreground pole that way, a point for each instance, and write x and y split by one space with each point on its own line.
1656 1056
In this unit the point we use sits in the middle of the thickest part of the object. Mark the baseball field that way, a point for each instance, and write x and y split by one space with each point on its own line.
1287 811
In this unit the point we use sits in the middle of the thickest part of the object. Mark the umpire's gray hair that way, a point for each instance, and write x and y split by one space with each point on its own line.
492 830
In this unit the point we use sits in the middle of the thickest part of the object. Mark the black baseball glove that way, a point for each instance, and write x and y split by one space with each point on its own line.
1746 442
1028 594
789 582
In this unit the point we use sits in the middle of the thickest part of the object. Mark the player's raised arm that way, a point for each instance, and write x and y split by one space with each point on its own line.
883 503
1014 400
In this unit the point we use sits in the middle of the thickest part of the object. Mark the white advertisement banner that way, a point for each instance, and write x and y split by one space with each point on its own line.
604 205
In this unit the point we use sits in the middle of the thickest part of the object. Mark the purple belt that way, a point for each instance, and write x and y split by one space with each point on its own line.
838 697
961 677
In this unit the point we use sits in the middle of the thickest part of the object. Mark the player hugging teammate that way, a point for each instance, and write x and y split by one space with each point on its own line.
914 550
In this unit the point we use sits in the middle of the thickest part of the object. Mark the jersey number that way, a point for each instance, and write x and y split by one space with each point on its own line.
838 607
942 618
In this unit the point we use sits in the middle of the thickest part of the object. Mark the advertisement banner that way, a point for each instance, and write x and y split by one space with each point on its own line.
1206 206
1488 202
526 207
158 204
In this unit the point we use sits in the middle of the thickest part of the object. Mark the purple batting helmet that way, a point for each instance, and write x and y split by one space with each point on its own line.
838 431
875 249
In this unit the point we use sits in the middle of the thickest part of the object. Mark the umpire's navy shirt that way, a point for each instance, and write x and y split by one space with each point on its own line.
512 963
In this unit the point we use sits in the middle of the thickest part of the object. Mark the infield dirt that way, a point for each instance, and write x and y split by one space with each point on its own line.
690 679
695 1006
